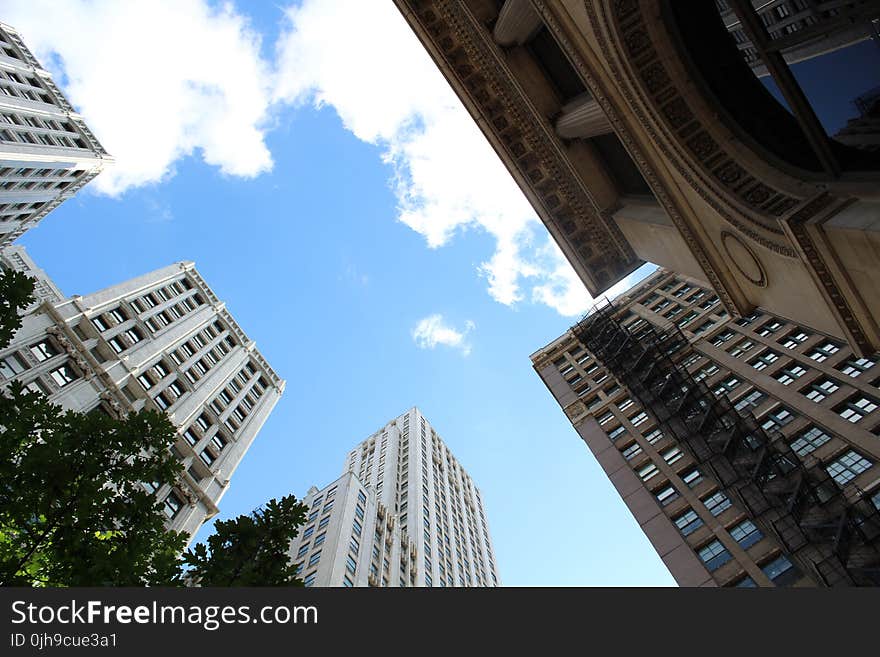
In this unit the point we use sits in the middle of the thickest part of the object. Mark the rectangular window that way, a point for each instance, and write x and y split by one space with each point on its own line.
777 418
63 375
314 558
717 503
746 534
688 522
302 551
672 455
632 451
714 555
856 408
787 375
847 467
692 477
750 401
615 433
766 359
855 366
647 472
820 390
637 419
809 440
172 505
44 350
781 571
309 531
319 539
667 495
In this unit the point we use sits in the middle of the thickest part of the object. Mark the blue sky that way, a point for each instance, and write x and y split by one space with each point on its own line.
358 209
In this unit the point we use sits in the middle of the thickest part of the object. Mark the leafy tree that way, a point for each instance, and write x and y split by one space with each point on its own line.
16 294
73 508
250 550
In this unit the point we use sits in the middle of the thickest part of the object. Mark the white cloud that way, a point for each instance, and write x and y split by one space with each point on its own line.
432 330
387 91
156 81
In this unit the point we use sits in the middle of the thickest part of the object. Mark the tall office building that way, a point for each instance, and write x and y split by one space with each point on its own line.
802 29
47 152
161 341
747 450
404 513
639 132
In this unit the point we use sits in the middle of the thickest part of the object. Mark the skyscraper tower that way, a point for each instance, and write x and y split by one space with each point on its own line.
161 341
745 449
404 513
47 152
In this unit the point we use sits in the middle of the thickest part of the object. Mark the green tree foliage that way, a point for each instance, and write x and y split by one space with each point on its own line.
73 508
16 294
250 550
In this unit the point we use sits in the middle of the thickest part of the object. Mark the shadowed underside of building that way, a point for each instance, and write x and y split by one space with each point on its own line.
639 131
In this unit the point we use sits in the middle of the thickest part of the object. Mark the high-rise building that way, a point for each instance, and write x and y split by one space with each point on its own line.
747 450
404 513
639 132
161 341
803 29
47 152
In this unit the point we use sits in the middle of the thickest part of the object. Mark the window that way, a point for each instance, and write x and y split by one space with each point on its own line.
319 539
346 581
741 348
714 555
781 571
819 390
614 434
667 495
794 339
777 418
787 375
647 472
688 522
726 386
172 505
769 328
310 579
717 503
823 351
637 419
672 455
855 408
632 451
809 440
653 436
302 551
847 467
706 372
63 375
751 400
767 358
11 366
692 477
44 350
721 338
854 367
746 534
606 418
314 558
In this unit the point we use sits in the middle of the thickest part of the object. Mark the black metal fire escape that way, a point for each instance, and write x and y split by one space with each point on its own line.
830 530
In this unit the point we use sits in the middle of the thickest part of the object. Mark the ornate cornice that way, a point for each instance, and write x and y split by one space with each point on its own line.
822 274
658 187
527 139
712 171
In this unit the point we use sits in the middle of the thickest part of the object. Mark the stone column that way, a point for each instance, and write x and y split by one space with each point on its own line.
517 23
582 118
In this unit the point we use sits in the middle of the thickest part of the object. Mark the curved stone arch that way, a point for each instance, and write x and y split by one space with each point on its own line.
749 205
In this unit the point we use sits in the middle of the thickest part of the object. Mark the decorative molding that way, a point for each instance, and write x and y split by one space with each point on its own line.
657 186
528 139
716 170
822 274
761 279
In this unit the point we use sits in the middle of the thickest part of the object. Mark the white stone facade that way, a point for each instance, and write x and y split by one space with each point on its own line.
404 513
161 341
47 153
